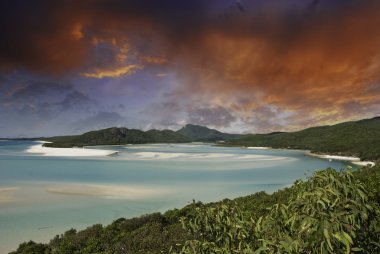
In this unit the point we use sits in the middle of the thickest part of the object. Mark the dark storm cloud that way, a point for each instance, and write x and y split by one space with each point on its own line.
57 36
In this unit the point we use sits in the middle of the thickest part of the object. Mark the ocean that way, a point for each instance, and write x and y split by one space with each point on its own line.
42 196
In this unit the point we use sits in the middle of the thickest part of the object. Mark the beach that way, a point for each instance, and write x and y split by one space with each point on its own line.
69 152
351 159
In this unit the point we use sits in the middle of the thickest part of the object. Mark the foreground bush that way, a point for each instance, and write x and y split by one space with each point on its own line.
329 213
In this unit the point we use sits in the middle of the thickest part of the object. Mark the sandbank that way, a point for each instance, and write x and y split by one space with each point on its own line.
6 194
364 163
186 156
71 152
351 159
106 191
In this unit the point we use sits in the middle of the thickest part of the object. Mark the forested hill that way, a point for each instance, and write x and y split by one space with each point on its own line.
356 138
117 136
204 134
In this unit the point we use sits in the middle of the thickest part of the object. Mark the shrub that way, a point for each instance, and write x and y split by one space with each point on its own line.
329 213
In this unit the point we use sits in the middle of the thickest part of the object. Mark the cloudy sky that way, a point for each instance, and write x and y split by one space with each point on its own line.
256 66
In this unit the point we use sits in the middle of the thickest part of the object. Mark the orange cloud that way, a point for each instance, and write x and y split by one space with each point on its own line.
316 70
77 31
112 73
155 60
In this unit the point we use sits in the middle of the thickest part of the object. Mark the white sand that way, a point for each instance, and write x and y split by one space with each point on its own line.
158 155
141 147
6 194
364 163
163 156
186 156
106 191
72 152
263 157
257 147
352 159
340 158
213 155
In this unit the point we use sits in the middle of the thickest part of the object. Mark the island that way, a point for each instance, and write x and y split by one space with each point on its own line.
355 138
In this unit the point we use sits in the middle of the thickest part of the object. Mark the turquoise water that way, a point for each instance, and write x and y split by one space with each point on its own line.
43 196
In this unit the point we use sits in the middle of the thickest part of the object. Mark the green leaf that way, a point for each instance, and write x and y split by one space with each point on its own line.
327 237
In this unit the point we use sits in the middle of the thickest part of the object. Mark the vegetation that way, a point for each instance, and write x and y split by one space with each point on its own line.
204 134
360 138
121 136
331 212
117 136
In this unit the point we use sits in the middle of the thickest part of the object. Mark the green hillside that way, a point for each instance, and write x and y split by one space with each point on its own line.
331 212
358 138
204 134
117 136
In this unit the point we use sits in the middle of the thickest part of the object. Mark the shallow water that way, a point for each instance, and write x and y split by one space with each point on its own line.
43 196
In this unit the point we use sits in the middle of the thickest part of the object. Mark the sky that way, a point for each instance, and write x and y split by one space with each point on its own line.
240 66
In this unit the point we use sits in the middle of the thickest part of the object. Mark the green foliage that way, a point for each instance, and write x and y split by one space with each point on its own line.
31 248
220 229
118 136
325 216
330 213
370 177
360 138
204 134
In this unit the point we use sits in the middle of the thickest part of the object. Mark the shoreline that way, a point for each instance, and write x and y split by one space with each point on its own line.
257 147
351 159
88 152
39 149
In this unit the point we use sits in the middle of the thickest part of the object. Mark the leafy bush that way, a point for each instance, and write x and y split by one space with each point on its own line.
330 213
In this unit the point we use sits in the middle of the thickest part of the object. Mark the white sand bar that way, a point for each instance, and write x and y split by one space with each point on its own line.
106 191
257 147
341 158
364 163
353 160
6 194
71 152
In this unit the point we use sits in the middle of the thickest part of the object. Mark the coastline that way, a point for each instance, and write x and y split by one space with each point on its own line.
87 152
351 159
257 147
39 149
